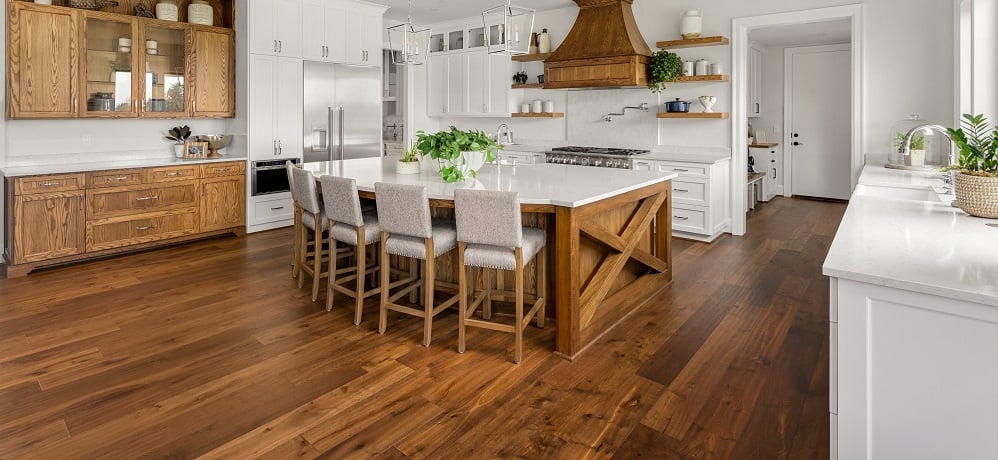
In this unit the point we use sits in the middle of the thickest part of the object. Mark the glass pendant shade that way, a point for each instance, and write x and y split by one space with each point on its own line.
412 44
508 28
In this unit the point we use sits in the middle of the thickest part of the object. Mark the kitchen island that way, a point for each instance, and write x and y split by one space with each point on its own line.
608 234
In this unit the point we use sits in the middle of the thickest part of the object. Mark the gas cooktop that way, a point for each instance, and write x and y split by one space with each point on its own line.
608 151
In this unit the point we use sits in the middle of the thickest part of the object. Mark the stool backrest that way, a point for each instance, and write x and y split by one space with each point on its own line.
488 217
341 201
403 209
291 178
304 191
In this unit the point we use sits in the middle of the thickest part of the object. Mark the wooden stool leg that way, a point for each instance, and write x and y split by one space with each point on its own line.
542 285
487 305
414 266
361 268
317 261
428 293
518 352
302 253
331 280
383 312
462 292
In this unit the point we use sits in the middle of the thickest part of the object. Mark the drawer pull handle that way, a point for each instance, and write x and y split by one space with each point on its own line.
680 218
680 190
51 184
172 174
147 198
277 208
680 169
118 179
147 227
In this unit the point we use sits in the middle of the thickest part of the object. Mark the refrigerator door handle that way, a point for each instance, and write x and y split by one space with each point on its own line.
342 116
329 130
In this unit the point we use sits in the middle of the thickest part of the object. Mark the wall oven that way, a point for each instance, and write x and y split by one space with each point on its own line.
270 176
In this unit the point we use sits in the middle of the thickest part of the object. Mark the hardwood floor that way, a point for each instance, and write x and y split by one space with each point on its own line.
209 349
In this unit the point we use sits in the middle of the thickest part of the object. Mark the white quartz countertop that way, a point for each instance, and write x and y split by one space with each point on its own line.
926 247
37 170
705 155
547 183
705 158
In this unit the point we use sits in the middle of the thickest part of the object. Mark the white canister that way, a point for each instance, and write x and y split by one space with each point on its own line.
702 66
525 107
200 12
548 106
537 106
167 10
716 68
691 24
688 68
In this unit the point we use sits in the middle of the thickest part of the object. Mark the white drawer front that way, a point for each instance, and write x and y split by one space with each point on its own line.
684 169
690 192
273 211
693 220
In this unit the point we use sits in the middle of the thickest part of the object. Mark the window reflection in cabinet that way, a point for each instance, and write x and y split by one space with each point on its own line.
109 58
164 83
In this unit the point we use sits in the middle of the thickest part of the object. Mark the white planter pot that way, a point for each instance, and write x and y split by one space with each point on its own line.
915 158
407 167
178 150
468 162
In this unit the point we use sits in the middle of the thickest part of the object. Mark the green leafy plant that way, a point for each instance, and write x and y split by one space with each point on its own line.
978 144
410 155
179 134
520 78
663 67
448 147
917 141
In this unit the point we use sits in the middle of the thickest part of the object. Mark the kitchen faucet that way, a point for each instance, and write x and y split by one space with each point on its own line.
905 149
502 134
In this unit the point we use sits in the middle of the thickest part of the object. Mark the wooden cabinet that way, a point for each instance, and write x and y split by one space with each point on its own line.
276 27
275 107
42 54
107 70
46 223
213 73
66 217
755 82
223 197
162 87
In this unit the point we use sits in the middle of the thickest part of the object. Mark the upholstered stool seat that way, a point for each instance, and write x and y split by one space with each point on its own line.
444 239
500 258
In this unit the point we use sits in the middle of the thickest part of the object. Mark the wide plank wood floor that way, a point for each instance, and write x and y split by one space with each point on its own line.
210 350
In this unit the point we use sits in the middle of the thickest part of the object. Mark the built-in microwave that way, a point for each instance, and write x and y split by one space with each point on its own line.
270 176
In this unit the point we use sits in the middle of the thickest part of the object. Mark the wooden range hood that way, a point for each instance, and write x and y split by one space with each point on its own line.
603 49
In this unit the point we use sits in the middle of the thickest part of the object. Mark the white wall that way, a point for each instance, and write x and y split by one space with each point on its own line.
907 67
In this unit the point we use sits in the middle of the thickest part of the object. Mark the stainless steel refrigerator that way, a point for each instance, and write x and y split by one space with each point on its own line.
342 112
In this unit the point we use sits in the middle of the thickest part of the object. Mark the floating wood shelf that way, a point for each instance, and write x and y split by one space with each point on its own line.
531 57
699 115
528 86
702 78
539 115
693 42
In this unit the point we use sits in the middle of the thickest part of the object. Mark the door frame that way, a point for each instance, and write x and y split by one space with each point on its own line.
788 75
740 28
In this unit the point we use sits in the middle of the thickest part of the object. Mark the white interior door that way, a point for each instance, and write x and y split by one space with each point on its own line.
820 121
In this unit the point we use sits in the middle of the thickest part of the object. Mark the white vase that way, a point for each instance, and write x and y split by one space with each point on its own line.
915 158
167 10
691 24
200 12
407 167
467 163
708 103
178 150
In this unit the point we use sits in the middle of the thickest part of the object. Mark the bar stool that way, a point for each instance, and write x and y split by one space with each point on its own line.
306 196
297 224
407 230
349 224
491 237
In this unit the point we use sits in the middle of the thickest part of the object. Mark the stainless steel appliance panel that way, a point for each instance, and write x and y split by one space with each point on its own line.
320 97
342 112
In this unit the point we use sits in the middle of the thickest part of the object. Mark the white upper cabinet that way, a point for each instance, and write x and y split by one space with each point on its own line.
276 27
755 82
343 32
469 84
275 107
437 72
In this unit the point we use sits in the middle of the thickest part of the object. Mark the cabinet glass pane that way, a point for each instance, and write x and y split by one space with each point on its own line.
437 43
165 70
476 37
456 40
109 66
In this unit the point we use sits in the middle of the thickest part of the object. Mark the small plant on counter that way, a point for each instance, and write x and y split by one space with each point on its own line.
458 153
409 161
179 134
917 141
410 155
520 78
663 67
976 184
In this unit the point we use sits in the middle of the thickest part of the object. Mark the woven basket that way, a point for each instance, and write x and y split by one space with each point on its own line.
90 4
977 195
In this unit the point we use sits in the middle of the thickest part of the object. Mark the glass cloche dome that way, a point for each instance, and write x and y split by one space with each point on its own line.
929 150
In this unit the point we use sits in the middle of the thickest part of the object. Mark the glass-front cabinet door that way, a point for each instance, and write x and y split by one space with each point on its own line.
164 58
108 61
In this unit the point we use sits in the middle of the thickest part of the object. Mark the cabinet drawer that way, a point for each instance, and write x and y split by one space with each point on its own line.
172 173
273 211
120 232
43 184
693 220
683 169
232 168
119 202
690 191
114 178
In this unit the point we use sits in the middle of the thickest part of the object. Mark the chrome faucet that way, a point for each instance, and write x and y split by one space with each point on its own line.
905 149
502 134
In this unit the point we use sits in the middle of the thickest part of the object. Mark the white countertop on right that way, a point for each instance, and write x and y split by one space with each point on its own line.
926 247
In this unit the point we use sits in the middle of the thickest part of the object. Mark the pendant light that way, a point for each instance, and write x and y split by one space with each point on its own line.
410 45
508 29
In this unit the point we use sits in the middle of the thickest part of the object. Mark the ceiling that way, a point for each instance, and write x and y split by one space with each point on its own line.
815 33
432 11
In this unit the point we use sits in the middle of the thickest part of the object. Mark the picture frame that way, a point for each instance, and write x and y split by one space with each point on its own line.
193 149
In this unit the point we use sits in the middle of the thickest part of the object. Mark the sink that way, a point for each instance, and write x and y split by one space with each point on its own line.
897 193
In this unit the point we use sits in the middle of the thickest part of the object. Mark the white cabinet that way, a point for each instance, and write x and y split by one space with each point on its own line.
457 84
469 84
342 31
769 161
363 40
755 82
512 157
275 27
275 107
436 81
912 375
700 198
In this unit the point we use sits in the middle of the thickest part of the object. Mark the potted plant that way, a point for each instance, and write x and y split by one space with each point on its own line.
179 136
520 78
663 67
976 183
916 151
458 154
409 162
